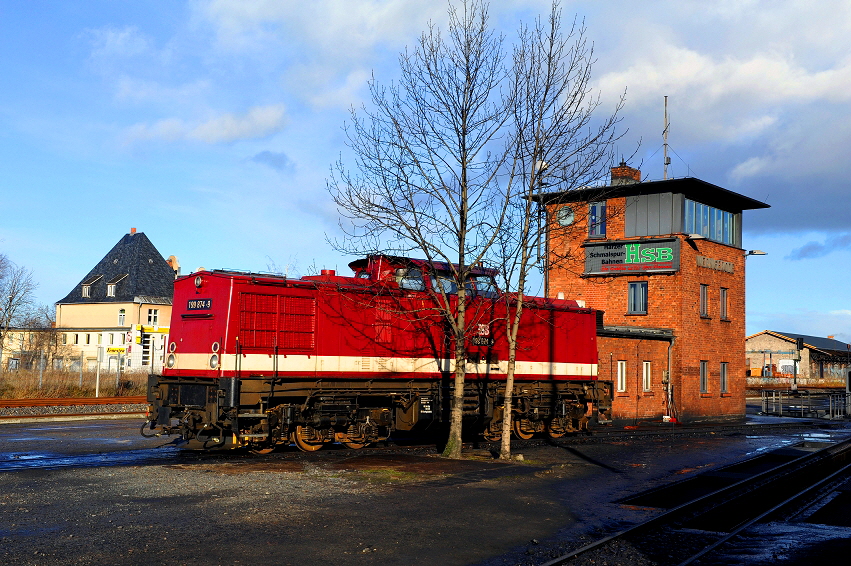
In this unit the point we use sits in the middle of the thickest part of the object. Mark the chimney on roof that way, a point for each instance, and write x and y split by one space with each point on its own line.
623 174
133 230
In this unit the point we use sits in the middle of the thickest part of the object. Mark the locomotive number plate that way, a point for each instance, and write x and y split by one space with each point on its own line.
199 304
482 341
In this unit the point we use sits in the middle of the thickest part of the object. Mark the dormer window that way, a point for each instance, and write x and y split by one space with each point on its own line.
112 283
87 285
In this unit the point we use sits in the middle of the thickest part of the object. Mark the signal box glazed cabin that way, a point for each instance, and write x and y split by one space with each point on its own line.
664 261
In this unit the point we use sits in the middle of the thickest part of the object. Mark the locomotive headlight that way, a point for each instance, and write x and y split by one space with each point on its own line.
214 361
169 362
172 347
215 346
198 280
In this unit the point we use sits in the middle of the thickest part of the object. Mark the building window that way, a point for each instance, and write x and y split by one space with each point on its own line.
723 377
113 283
645 376
710 222
64 339
621 375
111 338
704 376
88 338
121 317
722 299
100 338
153 316
86 293
76 338
704 300
123 338
637 298
597 219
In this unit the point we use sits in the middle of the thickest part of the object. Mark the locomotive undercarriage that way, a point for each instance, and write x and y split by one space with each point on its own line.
261 413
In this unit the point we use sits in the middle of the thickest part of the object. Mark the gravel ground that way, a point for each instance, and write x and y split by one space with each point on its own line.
342 507
72 410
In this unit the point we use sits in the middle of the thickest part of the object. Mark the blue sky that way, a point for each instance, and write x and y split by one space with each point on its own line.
212 125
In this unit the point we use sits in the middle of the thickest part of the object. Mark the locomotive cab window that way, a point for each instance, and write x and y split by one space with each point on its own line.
443 284
482 285
411 279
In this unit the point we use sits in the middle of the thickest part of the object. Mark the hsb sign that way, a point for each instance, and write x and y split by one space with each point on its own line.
636 254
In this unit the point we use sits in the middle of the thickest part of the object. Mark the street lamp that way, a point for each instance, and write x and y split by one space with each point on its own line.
755 252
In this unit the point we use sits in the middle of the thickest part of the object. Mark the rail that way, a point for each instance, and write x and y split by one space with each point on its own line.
716 517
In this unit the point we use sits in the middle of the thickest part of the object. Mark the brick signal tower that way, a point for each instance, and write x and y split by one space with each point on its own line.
664 261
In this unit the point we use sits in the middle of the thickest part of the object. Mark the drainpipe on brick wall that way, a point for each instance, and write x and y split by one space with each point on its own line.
669 388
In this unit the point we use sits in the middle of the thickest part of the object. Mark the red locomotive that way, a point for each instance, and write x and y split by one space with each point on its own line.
258 360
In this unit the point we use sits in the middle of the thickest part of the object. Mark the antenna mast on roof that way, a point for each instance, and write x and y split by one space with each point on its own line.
667 160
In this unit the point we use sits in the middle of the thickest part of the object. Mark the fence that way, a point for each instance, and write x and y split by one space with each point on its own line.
806 404
47 383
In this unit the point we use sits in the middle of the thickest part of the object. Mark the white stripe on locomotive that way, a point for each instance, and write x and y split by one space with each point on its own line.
265 364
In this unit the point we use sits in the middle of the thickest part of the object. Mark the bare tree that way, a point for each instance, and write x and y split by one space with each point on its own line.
559 145
16 296
447 161
43 337
428 158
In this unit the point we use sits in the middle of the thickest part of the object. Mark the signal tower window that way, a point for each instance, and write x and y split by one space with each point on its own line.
597 219
637 298
621 375
704 301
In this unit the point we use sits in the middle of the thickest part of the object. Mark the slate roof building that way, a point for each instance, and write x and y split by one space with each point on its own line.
122 307
776 359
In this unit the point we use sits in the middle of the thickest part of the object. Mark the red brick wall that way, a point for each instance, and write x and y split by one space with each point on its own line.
635 403
673 302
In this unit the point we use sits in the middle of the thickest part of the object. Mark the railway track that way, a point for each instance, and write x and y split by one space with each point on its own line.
72 401
687 532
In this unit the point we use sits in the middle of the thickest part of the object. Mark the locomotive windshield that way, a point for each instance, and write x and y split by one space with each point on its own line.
481 285
412 279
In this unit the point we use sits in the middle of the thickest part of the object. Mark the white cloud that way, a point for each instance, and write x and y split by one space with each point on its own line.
258 122
114 42
138 90
751 167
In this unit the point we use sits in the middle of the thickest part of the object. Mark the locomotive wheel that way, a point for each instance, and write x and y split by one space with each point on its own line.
523 429
556 428
355 443
306 439
494 432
